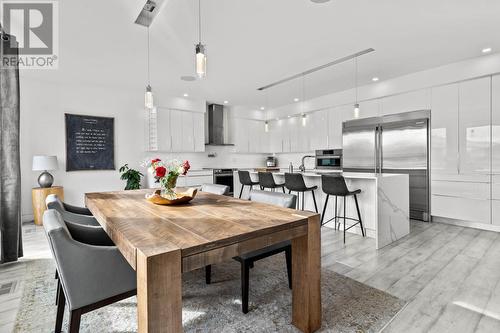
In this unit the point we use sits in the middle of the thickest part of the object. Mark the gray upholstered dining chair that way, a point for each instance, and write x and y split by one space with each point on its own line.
215 189
91 276
247 260
82 227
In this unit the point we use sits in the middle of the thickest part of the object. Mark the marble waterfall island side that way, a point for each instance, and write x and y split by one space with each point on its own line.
384 202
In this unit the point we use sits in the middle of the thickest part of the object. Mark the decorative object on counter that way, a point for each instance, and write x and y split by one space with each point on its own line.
166 174
271 162
178 198
45 163
290 168
90 142
132 176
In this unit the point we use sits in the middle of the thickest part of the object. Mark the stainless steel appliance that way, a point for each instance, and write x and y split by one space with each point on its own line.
392 144
271 162
329 159
224 177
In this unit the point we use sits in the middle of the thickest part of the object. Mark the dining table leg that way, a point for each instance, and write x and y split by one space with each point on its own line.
306 281
159 292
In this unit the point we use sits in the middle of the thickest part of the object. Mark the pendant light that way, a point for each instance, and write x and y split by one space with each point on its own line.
266 123
304 120
356 103
200 51
148 97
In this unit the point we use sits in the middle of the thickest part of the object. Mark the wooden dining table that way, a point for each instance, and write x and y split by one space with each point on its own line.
162 242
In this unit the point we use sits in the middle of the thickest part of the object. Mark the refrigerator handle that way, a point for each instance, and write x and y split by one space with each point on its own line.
376 149
379 148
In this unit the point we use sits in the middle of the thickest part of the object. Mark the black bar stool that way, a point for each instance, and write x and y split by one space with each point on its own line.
335 185
266 180
245 180
294 182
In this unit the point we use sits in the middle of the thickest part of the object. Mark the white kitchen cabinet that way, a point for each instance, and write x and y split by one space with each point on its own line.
241 134
180 131
298 136
335 128
176 127
495 150
317 129
160 130
474 126
411 101
275 139
199 131
255 137
369 109
187 125
444 130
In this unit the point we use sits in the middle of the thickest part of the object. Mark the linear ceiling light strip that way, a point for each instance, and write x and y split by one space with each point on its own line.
315 69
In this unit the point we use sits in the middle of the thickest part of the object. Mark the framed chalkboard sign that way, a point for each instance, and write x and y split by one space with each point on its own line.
90 143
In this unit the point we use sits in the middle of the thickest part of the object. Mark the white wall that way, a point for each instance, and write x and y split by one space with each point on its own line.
43 105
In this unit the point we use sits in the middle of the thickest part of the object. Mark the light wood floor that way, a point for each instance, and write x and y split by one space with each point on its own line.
449 275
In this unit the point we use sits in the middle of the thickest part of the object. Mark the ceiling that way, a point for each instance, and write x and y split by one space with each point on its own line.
251 43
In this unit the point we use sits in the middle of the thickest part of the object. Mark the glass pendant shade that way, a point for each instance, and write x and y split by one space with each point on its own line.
201 61
356 110
266 126
304 121
148 98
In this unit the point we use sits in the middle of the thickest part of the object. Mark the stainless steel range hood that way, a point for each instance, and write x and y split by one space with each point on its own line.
216 126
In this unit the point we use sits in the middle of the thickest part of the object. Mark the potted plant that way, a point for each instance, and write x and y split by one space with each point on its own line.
133 177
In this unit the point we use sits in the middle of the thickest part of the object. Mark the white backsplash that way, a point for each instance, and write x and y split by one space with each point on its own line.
225 158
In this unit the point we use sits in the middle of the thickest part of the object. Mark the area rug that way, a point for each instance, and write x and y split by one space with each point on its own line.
348 306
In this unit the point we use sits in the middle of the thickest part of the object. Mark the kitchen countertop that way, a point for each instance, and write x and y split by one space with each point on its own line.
359 175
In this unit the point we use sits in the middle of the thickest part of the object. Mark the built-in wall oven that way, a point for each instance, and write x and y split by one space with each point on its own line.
329 159
224 177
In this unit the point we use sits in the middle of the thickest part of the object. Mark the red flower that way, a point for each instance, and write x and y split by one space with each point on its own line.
186 167
160 172
155 160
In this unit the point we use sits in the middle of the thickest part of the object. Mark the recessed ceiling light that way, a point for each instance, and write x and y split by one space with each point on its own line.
262 108
288 116
375 79
296 99
188 78
486 50
225 102
185 95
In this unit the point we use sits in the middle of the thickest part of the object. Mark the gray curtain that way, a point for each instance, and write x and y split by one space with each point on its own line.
11 247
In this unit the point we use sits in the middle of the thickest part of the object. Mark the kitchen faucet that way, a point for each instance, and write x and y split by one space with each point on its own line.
302 167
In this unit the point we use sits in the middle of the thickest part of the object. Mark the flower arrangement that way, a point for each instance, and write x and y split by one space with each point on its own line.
167 173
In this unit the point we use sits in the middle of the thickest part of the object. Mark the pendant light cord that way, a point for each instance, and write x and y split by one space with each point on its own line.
199 21
356 78
303 92
149 78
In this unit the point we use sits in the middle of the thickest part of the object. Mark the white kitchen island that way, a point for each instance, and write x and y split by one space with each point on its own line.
384 202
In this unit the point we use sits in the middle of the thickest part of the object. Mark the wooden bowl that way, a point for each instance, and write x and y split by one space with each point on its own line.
182 197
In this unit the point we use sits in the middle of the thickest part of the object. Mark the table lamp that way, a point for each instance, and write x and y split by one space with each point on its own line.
44 163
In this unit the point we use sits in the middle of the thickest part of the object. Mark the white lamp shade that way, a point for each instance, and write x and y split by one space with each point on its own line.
44 162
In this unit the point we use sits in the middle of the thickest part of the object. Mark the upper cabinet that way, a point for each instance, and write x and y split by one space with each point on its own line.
412 101
335 128
179 131
250 136
474 126
317 129
444 130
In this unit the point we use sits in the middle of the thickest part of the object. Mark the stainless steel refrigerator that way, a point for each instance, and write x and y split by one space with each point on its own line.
392 144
